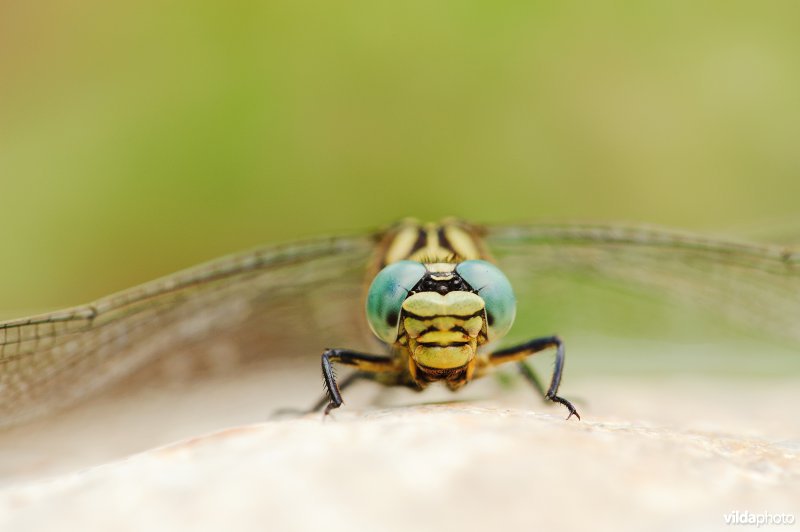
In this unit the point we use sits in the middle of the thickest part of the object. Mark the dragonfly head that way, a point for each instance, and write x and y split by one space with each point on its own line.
442 312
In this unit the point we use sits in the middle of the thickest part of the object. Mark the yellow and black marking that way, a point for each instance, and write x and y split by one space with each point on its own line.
442 333
443 321
451 241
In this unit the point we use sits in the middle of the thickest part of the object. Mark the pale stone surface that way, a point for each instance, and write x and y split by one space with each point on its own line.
439 467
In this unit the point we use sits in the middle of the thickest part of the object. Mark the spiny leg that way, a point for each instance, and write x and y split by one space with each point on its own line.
520 352
343 385
365 362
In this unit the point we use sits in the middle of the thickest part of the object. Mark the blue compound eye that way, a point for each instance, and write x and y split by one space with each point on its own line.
495 290
386 295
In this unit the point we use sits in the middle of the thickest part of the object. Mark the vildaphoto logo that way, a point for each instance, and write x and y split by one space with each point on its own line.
747 517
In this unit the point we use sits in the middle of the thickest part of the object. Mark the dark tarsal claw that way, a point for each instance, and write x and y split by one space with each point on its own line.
331 406
561 400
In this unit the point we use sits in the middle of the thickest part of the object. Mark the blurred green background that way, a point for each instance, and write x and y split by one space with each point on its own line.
137 138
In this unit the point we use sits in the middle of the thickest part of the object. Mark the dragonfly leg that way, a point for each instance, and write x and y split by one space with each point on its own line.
519 352
343 385
366 363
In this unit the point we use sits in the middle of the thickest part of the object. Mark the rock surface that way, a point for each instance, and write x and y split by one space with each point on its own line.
476 466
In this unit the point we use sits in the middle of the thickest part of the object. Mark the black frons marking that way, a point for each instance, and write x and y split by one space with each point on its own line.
455 328
457 316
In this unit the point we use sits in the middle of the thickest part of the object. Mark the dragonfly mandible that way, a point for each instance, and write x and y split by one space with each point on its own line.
290 300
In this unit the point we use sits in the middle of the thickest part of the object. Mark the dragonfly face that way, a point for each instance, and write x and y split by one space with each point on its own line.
442 332
439 323
440 312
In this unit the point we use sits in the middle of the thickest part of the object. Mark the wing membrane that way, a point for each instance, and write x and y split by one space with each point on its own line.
755 285
278 301
288 302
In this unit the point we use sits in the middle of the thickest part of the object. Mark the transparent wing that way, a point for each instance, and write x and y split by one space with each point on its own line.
285 301
756 286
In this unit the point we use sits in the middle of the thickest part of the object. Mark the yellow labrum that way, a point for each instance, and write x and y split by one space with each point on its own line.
443 330
444 357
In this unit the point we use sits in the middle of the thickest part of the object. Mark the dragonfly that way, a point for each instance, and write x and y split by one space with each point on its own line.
290 300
